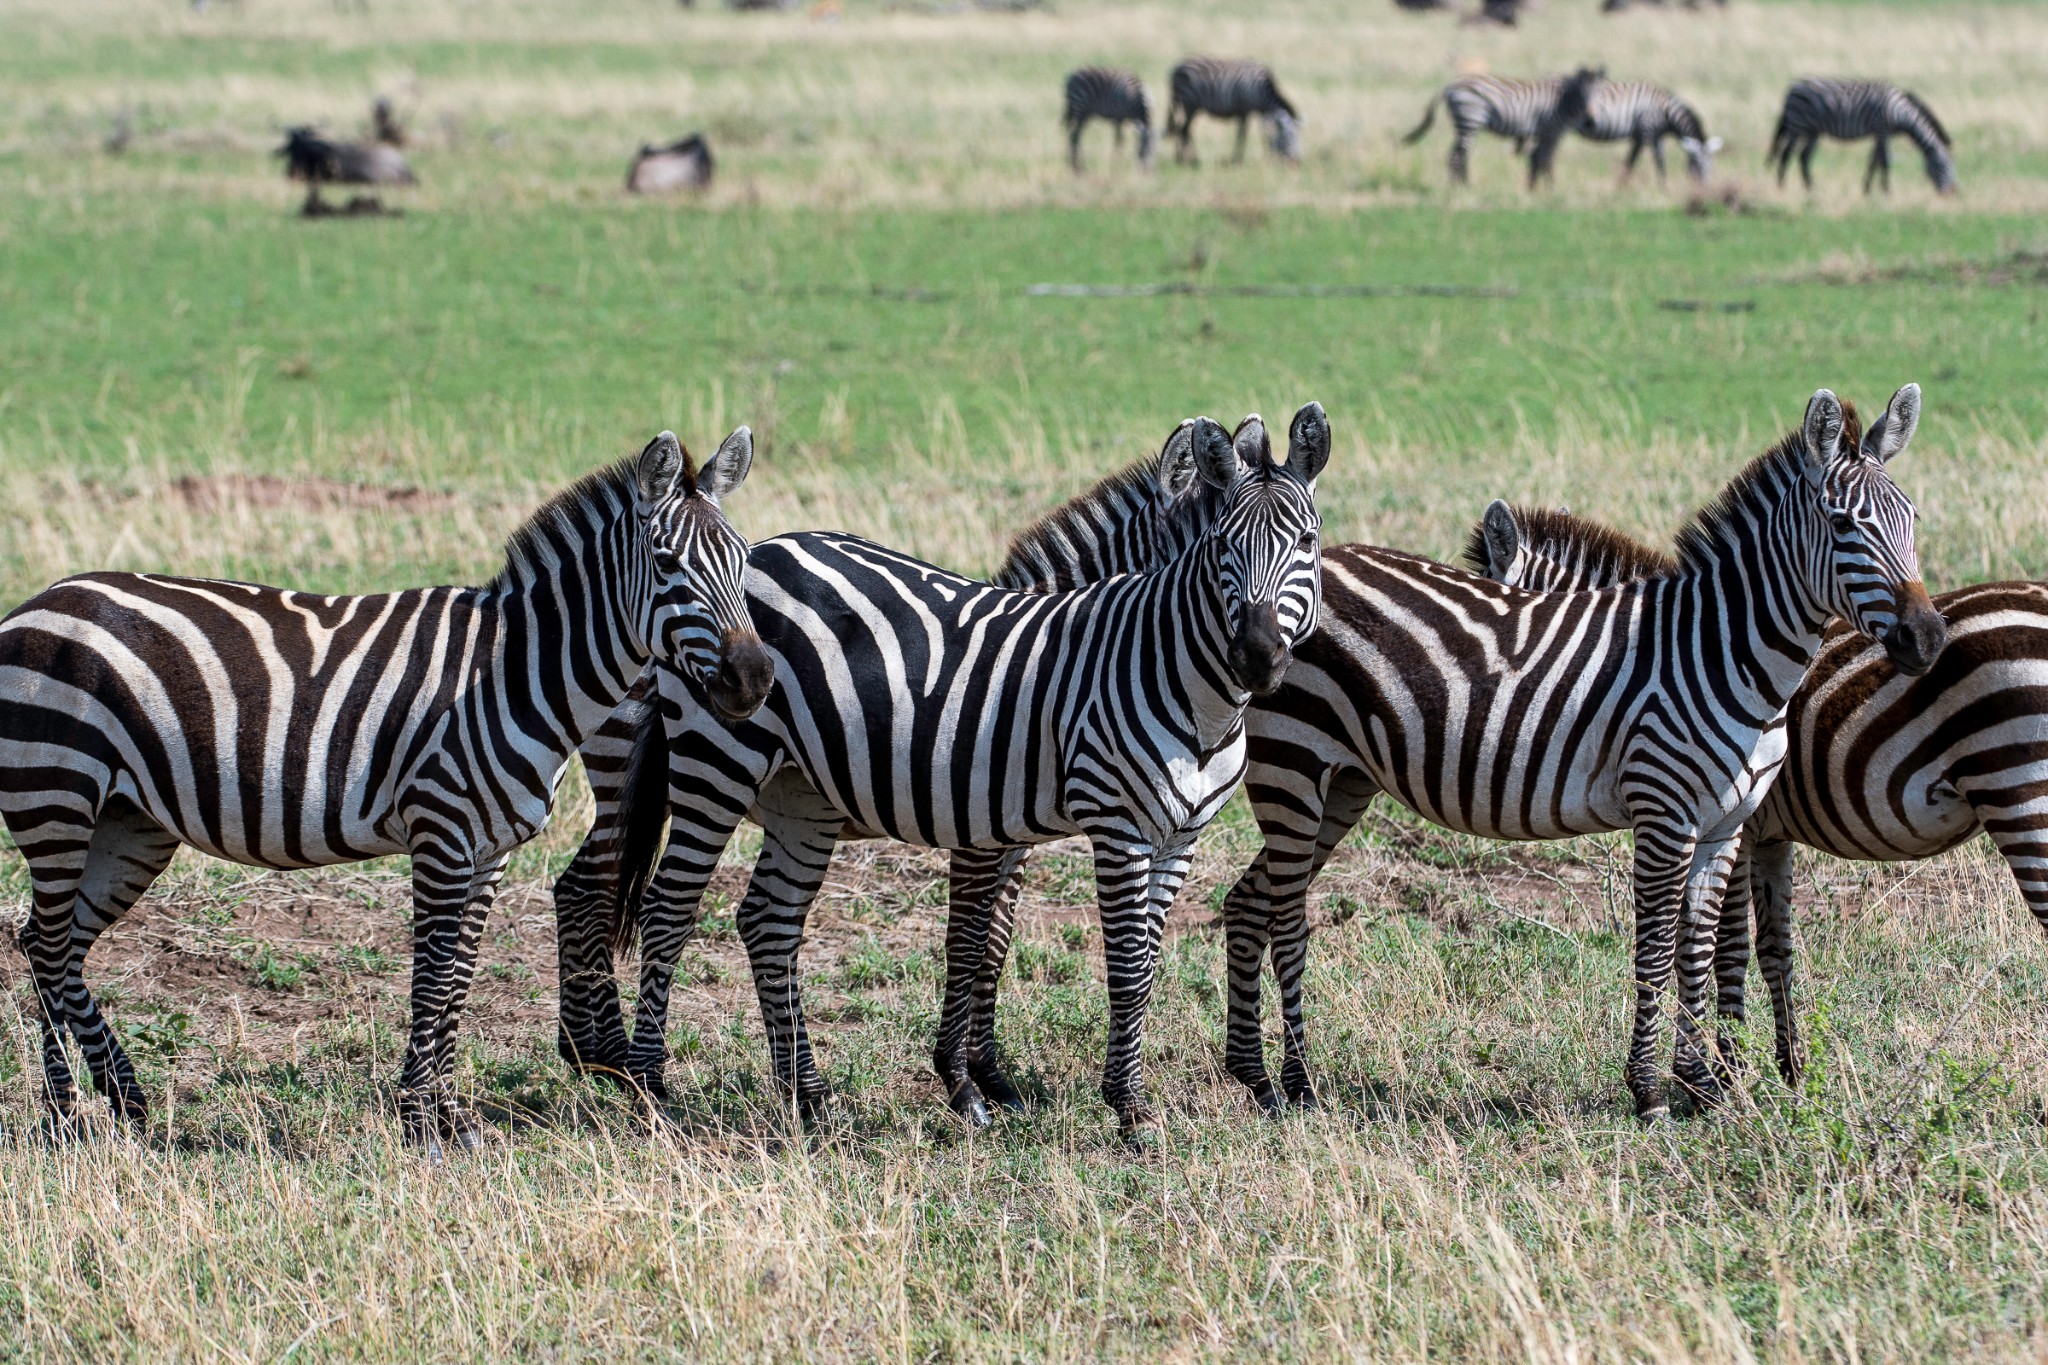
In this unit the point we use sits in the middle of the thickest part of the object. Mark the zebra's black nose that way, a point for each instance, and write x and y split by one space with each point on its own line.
745 673
1920 635
1258 652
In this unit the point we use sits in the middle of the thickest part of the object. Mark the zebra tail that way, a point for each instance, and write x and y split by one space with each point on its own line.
1428 118
642 813
1940 133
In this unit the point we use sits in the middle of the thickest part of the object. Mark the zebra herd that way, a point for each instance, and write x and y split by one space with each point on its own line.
1176 630
1534 114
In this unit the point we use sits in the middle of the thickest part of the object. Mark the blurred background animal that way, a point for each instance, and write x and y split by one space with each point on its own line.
1851 111
1231 88
684 165
1114 95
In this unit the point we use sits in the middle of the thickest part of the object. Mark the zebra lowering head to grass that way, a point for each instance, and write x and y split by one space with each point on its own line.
1655 706
1881 766
1534 114
281 729
1644 115
1851 111
1229 88
1113 95
925 707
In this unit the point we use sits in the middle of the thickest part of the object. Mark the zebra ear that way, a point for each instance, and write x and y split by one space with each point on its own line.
1254 446
1893 432
727 469
1215 457
662 465
1308 442
1176 471
1503 539
1823 431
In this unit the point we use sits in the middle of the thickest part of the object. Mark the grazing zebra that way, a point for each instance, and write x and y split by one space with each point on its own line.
1511 715
943 712
1230 87
1852 110
1534 112
1644 115
1107 93
282 729
1879 767
1136 520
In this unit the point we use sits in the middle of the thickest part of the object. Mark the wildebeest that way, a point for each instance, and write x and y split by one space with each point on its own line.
385 125
685 165
317 161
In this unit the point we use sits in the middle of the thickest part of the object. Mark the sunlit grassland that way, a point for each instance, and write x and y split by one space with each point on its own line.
193 380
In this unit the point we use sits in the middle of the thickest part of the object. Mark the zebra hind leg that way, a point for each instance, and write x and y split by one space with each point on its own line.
129 851
799 832
591 1034
56 848
983 1061
1344 805
1704 889
1461 159
459 1123
441 879
1806 158
1771 884
1732 947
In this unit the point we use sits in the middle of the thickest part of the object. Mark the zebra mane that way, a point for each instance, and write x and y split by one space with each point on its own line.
1699 539
1687 120
1566 536
602 492
1077 521
1940 133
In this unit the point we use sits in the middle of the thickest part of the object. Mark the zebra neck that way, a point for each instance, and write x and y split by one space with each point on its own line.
1194 682
569 643
1744 600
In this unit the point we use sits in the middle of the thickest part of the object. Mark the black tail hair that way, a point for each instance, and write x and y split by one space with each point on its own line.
642 814
1428 118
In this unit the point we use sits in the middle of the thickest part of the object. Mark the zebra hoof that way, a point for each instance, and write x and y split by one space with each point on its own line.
976 1114
965 1100
465 1128
995 1087
129 1106
1303 1097
647 1086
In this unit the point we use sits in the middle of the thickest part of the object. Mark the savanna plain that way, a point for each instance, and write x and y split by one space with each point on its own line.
938 331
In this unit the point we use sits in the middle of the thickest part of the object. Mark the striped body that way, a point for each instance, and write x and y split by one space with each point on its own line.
1879 767
1534 114
1655 706
926 707
1854 110
1230 88
281 729
1643 115
1113 95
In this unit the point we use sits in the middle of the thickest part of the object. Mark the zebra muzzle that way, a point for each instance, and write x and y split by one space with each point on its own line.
744 675
1258 652
1916 640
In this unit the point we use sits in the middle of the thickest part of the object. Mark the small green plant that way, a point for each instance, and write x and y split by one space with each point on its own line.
275 971
869 966
357 960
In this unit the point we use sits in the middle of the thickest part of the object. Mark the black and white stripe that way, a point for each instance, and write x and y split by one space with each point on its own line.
1851 111
1534 114
1879 767
929 708
1114 95
1230 88
283 729
1643 115
1655 706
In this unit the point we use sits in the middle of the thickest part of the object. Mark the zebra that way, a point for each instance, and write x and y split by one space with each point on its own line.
1879 767
1852 110
1512 715
1645 115
1107 93
1530 112
1230 87
1136 520
929 708
279 729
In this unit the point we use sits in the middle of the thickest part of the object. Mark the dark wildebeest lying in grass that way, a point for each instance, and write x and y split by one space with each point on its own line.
317 161
685 165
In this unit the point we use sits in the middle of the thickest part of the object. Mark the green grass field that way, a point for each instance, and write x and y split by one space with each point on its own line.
193 379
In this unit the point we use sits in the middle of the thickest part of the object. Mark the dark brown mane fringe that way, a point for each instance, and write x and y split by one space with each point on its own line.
1136 477
1699 537
610 487
1595 542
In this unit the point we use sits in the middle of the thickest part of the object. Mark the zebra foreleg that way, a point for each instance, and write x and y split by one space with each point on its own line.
1732 947
668 921
1243 129
1344 805
1806 158
1880 164
591 1035
1635 154
442 873
460 1123
1663 859
984 1063
799 830
1657 157
1704 888
982 891
1074 128
1770 880
1123 890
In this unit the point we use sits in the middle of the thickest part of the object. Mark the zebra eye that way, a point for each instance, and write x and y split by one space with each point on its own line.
1307 541
665 559
1842 522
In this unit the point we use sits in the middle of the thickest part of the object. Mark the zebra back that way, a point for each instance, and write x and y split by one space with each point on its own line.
1228 87
1106 92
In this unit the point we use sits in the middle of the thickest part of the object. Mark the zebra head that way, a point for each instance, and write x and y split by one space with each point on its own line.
698 562
1867 568
1267 539
1699 156
1285 135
